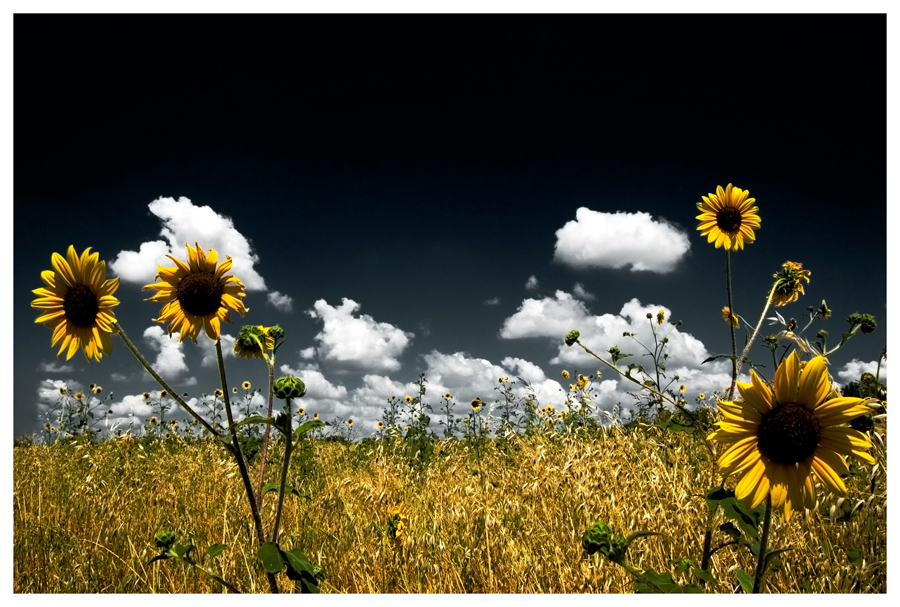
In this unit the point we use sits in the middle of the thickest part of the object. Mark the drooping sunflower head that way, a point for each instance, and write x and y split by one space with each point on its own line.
780 438
198 294
730 317
660 317
728 217
253 342
824 312
788 283
77 304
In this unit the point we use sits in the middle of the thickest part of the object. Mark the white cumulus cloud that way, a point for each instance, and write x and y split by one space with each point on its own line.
170 353
357 343
184 222
581 293
616 240
56 367
532 283
546 317
209 352
855 368
282 302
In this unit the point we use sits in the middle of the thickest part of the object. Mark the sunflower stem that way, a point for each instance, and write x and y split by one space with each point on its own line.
763 546
242 465
288 445
734 361
755 333
268 432
162 382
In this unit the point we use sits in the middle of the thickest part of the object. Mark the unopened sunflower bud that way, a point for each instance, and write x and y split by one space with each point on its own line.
288 387
275 332
572 337
597 539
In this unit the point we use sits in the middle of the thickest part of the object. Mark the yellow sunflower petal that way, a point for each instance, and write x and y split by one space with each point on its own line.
787 379
814 384
62 268
828 466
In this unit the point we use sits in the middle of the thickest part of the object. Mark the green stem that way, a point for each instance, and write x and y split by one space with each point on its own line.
763 541
161 382
242 465
734 360
762 317
268 432
288 444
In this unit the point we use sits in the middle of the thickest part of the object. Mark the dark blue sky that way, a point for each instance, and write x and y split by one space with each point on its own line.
421 166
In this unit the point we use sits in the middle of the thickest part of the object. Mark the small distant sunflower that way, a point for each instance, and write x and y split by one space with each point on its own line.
408 399
97 389
789 286
381 425
565 374
78 304
582 382
63 390
173 423
824 312
549 410
198 294
728 217
730 317
315 416
163 394
350 422
406 429
245 385
395 522
780 438
146 395
682 389
218 394
234 390
79 396
701 396
153 421
448 396
301 412
660 317
476 404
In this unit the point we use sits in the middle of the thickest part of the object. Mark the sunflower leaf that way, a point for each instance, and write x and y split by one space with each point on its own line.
704 575
854 556
270 557
652 582
307 426
745 580
746 519
215 550
717 356
715 496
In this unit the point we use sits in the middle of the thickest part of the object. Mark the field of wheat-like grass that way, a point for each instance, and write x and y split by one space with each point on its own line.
507 518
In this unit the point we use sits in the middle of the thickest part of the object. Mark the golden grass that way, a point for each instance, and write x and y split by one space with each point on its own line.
85 517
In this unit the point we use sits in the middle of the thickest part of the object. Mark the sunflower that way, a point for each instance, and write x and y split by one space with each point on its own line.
218 394
97 389
660 317
788 284
448 396
780 439
301 412
146 395
253 341
476 404
728 217
245 385
350 422
234 390
823 312
315 416
730 317
701 396
408 399
565 374
79 396
152 421
198 294
682 388
77 304
548 409
380 425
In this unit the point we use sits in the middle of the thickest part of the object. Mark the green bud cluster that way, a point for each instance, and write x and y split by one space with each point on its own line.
571 337
288 387
164 539
276 332
866 322
599 538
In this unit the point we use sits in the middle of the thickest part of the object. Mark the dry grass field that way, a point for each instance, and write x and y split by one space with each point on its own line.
507 521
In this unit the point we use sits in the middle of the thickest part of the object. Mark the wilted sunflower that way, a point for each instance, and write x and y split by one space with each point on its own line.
253 342
824 312
198 294
660 317
728 217
789 286
77 304
730 317
779 439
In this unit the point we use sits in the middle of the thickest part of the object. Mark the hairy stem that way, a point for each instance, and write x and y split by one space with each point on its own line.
288 444
266 436
734 361
763 541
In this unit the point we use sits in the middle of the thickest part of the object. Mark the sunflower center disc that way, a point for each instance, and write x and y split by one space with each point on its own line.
80 305
200 293
729 219
788 434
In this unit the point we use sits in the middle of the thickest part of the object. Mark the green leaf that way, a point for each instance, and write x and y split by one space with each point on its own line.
216 549
716 495
181 551
704 575
259 419
270 487
662 583
730 530
745 580
270 557
854 556
307 426
681 564
717 356
746 519
676 427
298 562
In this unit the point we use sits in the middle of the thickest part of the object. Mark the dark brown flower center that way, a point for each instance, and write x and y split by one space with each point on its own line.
729 219
200 293
788 434
81 306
